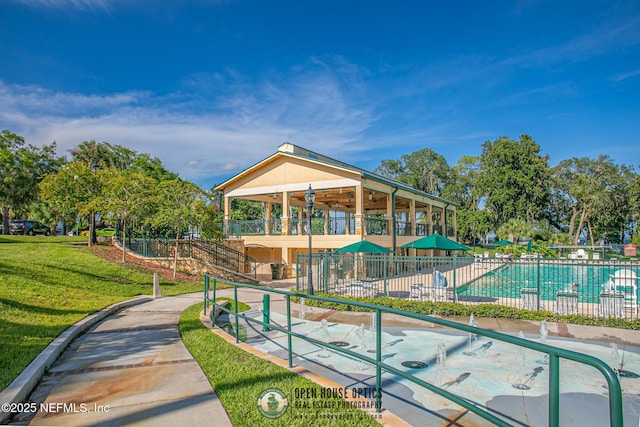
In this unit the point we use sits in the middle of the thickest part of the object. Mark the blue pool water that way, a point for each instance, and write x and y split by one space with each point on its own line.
507 281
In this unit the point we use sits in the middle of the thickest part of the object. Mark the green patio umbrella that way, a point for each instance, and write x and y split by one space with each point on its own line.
503 242
365 246
436 241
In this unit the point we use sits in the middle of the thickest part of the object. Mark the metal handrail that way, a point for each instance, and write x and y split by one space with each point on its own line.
202 250
554 353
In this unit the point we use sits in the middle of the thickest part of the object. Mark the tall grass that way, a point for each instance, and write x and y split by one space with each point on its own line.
47 286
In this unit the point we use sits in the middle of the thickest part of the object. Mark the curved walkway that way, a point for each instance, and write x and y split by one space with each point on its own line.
130 368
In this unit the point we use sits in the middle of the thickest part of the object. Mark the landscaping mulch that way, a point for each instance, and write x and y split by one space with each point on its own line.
114 254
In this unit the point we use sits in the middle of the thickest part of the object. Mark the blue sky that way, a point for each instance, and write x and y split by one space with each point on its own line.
213 86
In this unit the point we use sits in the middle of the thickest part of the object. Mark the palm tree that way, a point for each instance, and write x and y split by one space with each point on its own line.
514 229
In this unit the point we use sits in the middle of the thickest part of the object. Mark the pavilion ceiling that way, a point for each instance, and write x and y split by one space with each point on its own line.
342 199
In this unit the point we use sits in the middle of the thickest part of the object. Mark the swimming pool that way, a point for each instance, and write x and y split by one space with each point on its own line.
549 277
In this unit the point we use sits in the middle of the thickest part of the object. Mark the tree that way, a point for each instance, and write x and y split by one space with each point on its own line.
593 194
70 192
424 170
473 225
514 178
462 185
105 154
245 210
125 194
634 202
21 169
178 205
152 167
513 229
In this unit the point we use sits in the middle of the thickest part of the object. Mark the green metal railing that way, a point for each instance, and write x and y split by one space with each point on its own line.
373 225
554 353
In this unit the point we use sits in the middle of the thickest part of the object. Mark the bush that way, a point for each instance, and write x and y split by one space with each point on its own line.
449 309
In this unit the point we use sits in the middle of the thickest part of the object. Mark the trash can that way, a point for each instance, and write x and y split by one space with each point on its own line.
277 271
340 272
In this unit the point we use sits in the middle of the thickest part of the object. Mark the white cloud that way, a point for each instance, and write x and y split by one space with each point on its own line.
204 133
88 5
627 75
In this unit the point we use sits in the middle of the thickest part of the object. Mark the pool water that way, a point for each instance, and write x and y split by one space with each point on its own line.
507 281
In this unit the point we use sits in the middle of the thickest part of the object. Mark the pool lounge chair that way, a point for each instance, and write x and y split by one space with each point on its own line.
566 303
530 298
611 304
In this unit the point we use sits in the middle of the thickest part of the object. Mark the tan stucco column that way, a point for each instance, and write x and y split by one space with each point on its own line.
347 222
455 225
227 208
429 219
267 216
359 216
285 214
412 217
285 256
300 219
227 215
326 221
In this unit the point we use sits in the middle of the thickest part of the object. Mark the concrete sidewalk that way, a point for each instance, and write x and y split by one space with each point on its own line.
129 369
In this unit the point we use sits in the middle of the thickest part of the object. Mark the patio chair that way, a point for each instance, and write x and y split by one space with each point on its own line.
340 287
361 289
441 293
566 303
530 298
478 262
611 304
418 291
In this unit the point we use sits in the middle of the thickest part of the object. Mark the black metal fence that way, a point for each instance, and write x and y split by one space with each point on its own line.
607 288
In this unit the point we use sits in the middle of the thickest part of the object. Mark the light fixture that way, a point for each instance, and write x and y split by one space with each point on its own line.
310 197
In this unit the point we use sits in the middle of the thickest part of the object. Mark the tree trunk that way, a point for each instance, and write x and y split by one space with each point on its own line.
572 223
5 220
583 219
90 233
590 232
124 236
175 258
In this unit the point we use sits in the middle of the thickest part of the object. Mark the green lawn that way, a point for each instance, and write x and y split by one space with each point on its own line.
239 378
46 286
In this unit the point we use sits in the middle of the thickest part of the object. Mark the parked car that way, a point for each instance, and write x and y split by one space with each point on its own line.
21 226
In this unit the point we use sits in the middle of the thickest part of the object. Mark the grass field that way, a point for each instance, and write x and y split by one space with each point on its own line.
48 284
